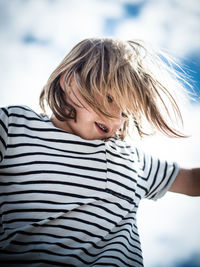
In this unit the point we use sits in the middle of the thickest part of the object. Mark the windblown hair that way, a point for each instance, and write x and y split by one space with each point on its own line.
139 80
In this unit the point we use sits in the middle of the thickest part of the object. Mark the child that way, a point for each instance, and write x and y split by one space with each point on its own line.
70 185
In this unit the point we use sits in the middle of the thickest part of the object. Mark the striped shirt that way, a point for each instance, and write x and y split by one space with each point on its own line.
66 201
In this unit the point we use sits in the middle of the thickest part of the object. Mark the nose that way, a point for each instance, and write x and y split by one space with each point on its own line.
117 121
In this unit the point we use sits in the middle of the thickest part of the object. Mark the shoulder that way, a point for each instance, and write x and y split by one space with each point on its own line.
17 109
21 111
15 117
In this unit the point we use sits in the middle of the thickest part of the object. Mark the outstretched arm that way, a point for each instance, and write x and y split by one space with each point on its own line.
187 182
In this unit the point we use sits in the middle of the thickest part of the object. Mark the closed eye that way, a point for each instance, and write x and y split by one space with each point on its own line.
109 99
124 115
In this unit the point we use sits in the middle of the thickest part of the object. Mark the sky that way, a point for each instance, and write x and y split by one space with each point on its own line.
35 35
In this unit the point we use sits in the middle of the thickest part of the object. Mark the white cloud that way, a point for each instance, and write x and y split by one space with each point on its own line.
169 24
170 227
61 24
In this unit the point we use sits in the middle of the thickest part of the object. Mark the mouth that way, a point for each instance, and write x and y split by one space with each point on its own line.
102 128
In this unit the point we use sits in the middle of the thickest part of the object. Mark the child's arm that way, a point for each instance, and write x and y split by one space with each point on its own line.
187 182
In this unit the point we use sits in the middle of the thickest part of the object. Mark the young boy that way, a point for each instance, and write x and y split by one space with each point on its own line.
71 184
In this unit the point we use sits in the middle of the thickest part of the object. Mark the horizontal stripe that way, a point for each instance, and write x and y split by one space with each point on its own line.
34 261
62 141
118 156
51 163
122 175
78 196
43 251
15 115
21 109
44 171
69 247
39 202
28 154
25 144
89 234
134 248
122 165
123 196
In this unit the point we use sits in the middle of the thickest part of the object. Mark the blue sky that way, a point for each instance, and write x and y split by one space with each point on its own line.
190 61
35 36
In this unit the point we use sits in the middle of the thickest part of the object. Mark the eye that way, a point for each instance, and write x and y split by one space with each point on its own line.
109 99
124 115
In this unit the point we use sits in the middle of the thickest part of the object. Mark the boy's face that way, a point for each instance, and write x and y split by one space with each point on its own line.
89 125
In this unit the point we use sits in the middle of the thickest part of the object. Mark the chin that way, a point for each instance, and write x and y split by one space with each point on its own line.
86 137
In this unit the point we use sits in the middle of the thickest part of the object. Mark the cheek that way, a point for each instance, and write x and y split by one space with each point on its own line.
85 115
118 125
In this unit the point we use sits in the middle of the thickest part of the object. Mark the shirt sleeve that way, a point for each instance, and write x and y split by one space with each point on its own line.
3 132
156 175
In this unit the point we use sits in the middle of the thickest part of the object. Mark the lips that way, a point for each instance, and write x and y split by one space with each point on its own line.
102 128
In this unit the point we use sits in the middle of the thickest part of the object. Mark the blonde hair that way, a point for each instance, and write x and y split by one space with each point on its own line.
139 81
